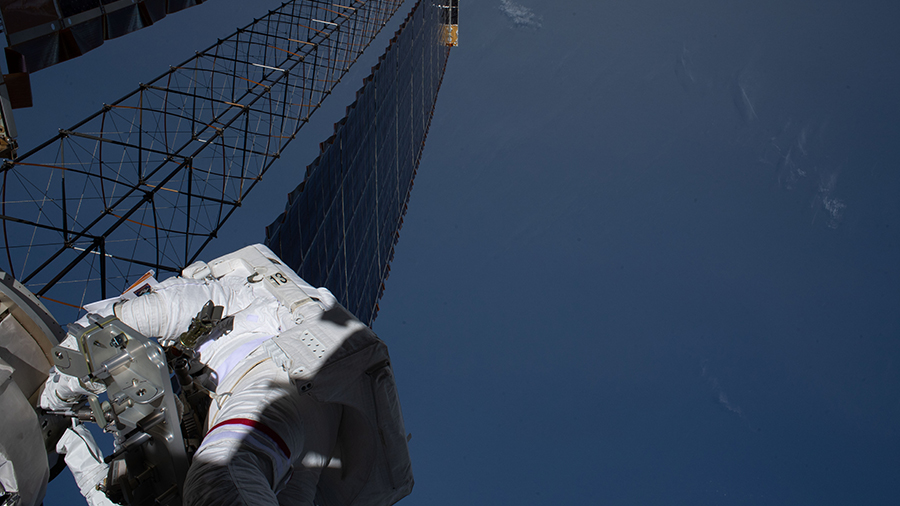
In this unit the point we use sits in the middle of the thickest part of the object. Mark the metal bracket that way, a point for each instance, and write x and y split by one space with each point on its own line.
141 409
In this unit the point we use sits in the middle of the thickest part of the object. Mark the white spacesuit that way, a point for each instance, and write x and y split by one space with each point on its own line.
267 441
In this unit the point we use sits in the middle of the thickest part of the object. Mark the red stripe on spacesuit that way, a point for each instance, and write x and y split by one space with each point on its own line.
265 429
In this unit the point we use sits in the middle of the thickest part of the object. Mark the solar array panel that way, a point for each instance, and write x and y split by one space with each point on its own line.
41 33
341 223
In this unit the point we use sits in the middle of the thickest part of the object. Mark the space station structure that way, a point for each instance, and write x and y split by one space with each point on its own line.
450 22
42 33
28 333
149 180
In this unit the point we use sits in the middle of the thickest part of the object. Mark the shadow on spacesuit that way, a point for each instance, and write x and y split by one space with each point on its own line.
287 437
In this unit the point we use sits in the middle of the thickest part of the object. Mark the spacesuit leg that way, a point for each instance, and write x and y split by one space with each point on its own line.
321 423
222 476
263 427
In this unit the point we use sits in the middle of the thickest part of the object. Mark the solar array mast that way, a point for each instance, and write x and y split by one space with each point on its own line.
149 180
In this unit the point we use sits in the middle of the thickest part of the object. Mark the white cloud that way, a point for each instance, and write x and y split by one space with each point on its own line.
721 396
833 207
520 15
723 400
795 156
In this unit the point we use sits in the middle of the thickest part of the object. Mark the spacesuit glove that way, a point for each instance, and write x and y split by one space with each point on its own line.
85 460
62 391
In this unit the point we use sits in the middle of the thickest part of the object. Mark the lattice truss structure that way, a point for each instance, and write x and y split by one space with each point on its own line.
149 180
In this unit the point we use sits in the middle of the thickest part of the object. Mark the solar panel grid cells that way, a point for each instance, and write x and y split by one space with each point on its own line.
347 219
356 166
420 115
132 17
333 226
394 114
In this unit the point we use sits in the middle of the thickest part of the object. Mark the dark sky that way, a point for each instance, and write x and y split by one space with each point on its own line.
651 255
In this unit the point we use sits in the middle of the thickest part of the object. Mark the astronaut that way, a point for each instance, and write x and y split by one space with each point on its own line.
266 442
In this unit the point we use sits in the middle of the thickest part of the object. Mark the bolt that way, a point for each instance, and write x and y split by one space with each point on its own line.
118 341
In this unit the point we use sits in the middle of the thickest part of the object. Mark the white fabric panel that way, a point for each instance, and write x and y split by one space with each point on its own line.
20 350
23 460
8 482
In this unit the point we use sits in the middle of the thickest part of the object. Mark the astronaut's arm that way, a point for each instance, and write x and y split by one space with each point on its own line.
62 391
163 313
166 312
85 460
